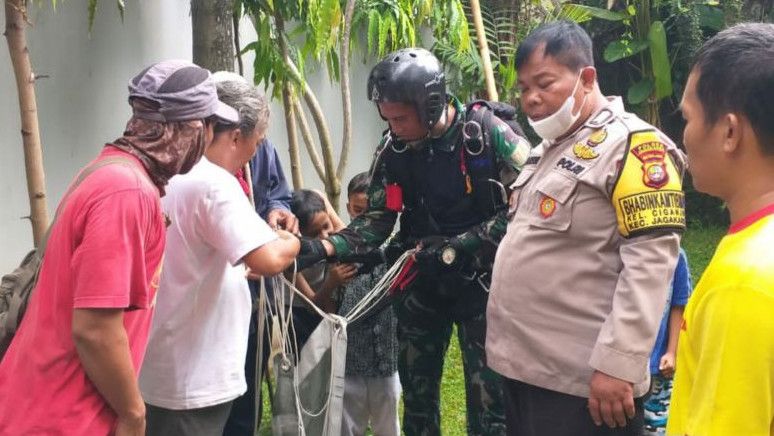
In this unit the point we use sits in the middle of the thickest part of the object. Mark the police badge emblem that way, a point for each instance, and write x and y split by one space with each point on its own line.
547 206
652 155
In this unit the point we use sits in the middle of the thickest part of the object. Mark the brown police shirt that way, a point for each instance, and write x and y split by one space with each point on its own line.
581 278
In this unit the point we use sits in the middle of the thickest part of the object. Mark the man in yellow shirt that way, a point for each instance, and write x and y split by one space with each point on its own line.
725 373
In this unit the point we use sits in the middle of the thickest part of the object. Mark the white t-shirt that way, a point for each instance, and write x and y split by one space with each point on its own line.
198 340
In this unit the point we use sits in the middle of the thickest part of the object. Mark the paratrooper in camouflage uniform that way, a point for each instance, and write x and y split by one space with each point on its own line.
447 203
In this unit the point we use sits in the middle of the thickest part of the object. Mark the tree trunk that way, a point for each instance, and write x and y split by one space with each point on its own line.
346 93
15 24
213 40
290 125
331 182
306 134
290 118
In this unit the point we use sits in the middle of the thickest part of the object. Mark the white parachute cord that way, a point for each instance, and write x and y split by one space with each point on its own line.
379 291
261 322
289 330
340 323
314 307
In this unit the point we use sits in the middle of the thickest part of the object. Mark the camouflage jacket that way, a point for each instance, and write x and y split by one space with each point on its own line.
372 228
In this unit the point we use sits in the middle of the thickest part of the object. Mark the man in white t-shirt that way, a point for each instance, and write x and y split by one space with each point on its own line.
194 364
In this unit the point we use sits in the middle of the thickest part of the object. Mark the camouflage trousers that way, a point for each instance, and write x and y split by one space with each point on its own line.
424 332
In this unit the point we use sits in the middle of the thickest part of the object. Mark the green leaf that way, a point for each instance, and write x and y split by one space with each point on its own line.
659 55
121 8
582 13
384 27
711 18
373 29
238 9
640 91
92 13
622 49
253 46
394 34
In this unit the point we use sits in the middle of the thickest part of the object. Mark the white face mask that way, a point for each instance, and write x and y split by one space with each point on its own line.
558 123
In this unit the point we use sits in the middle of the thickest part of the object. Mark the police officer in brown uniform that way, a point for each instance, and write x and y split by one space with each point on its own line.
580 280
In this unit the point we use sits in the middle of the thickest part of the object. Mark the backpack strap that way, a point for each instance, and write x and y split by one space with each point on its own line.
121 160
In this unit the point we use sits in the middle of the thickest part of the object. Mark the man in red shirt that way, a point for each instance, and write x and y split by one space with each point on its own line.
72 367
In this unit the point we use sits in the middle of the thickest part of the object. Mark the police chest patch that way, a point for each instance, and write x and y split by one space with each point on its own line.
570 165
583 151
648 194
596 138
547 206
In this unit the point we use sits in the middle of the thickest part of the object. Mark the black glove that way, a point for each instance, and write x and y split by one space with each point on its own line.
367 261
395 250
439 254
312 251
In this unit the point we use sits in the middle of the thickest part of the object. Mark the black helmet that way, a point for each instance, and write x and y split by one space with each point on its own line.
410 75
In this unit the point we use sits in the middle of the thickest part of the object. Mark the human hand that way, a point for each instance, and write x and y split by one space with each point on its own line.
130 427
283 234
428 256
611 400
667 364
340 274
284 219
252 275
438 254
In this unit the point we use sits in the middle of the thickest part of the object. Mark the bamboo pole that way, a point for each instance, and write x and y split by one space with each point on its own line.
483 47
15 33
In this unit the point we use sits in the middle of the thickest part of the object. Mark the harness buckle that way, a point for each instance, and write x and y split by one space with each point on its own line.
471 134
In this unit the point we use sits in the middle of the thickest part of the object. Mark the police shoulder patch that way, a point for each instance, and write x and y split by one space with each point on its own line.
648 194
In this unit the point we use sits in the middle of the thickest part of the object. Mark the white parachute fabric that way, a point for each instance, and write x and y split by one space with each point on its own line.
320 377
309 390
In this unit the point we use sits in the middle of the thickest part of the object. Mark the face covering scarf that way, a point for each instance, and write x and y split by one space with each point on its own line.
165 149
558 123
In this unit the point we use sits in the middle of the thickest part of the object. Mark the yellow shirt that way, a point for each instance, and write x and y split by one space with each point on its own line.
725 366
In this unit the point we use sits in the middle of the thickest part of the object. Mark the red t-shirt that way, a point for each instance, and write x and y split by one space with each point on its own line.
104 251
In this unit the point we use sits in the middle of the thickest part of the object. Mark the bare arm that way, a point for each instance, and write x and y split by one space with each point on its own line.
675 321
273 257
320 298
667 362
103 348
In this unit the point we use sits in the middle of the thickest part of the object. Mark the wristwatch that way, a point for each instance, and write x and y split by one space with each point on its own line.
448 255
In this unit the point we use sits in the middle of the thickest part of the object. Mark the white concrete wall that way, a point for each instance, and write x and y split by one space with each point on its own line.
83 104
